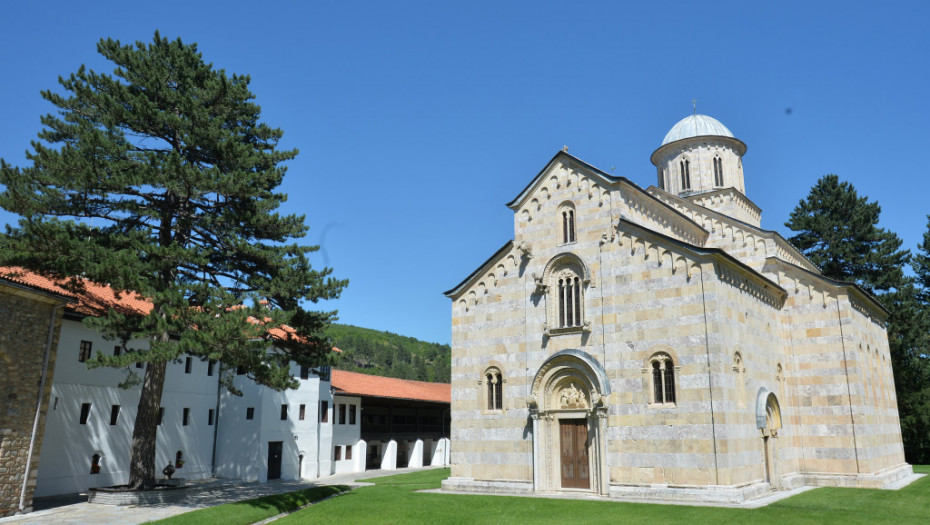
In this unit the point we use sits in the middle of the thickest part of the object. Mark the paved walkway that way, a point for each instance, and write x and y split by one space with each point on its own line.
202 494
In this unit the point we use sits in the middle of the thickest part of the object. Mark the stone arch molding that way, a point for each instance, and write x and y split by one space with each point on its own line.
564 370
768 412
570 385
568 259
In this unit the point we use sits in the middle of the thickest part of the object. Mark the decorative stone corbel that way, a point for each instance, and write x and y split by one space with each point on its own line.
525 249
541 287
532 403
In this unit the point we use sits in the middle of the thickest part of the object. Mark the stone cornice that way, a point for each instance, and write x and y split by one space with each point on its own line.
861 300
741 200
729 269
664 216
504 254
702 215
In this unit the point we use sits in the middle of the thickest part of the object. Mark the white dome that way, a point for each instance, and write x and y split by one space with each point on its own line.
696 126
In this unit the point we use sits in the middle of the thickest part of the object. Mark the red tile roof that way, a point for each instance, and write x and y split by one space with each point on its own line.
96 299
353 383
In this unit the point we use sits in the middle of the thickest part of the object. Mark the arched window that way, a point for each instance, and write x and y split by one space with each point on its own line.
567 214
718 172
95 464
684 167
663 379
494 386
569 300
179 459
564 285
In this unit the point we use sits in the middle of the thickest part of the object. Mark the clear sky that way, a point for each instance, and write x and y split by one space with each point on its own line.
417 121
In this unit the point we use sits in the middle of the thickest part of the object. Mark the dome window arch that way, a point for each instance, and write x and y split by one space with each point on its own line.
718 171
684 169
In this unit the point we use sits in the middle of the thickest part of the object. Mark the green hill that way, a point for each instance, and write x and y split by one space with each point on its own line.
391 355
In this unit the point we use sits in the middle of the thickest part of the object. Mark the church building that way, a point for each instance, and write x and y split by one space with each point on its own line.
659 344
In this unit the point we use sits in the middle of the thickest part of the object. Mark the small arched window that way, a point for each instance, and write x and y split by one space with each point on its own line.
179 459
494 386
95 464
568 223
663 379
718 171
684 167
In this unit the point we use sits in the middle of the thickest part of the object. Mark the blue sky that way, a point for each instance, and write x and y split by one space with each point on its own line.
417 121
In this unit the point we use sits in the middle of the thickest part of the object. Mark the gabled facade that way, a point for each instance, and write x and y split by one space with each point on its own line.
658 343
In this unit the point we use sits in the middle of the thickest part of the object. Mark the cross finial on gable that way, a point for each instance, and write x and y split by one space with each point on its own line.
564 149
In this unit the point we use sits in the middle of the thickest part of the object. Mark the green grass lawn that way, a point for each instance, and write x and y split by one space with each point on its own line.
253 510
394 500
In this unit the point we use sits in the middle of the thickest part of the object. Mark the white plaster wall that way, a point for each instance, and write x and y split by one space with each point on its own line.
347 435
242 446
68 446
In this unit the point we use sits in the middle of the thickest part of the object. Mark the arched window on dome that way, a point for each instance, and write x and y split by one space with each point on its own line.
718 171
684 167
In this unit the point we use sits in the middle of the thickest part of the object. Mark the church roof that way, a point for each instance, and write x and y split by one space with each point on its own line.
696 126
364 385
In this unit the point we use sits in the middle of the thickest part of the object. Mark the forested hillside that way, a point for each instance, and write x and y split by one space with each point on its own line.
390 355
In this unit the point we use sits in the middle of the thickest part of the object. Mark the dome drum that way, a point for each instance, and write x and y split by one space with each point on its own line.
698 155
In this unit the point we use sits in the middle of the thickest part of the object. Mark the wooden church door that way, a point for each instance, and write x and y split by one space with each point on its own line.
574 452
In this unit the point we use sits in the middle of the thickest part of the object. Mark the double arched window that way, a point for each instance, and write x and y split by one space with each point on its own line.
494 385
663 378
718 171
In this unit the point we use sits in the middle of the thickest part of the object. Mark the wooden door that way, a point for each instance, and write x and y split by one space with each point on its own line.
274 459
574 452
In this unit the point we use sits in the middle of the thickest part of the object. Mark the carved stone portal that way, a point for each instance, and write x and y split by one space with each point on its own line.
571 397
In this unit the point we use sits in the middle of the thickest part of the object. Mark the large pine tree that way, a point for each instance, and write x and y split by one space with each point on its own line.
160 180
838 231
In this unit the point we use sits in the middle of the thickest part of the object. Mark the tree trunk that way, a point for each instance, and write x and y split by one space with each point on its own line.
142 457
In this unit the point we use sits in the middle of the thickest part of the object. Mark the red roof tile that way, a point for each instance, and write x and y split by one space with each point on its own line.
96 299
353 383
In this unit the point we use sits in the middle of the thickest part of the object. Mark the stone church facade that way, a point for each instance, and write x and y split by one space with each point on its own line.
658 343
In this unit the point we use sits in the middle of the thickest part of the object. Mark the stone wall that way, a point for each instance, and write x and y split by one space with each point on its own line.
24 323
736 330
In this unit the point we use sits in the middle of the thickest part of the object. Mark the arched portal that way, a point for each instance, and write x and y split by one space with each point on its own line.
568 404
768 420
